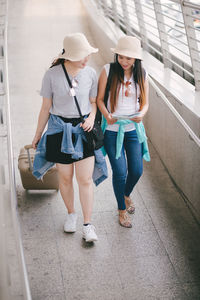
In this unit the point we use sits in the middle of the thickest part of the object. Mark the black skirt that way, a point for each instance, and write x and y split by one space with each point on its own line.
53 146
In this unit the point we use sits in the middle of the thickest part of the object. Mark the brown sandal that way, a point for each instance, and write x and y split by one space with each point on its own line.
130 207
124 219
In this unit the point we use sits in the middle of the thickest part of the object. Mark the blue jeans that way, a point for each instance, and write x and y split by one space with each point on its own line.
128 168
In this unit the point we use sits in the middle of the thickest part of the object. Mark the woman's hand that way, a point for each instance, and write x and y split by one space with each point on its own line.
139 118
110 120
36 141
89 123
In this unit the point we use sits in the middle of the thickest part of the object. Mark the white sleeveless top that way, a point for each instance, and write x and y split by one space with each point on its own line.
125 105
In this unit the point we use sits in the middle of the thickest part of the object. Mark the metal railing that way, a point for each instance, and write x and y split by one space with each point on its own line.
9 223
168 29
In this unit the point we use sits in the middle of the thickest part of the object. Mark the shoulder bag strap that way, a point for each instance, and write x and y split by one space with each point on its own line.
107 89
72 92
109 79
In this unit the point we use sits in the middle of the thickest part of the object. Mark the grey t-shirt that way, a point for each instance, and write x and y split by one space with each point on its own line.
55 87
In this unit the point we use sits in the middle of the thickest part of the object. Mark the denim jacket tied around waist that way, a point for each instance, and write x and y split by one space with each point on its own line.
56 125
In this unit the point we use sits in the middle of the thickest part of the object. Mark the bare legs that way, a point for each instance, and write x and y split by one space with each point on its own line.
84 170
65 173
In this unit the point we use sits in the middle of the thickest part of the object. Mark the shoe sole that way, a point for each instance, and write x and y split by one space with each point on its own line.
69 231
125 226
90 240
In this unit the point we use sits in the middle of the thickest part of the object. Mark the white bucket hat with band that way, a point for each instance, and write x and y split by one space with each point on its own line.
129 46
76 47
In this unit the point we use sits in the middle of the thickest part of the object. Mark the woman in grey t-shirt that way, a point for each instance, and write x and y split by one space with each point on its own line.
59 101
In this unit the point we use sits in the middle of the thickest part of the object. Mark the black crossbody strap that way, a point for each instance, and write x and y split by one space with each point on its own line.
71 87
109 79
107 90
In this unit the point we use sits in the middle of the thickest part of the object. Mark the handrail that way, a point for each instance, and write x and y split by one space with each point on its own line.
191 134
190 4
173 51
13 197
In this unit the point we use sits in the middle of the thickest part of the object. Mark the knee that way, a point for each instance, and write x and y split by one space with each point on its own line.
136 174
84 181
65 180
119 175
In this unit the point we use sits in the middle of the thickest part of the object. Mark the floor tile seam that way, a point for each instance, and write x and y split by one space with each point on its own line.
167 254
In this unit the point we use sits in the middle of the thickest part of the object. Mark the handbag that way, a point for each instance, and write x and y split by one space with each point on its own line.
94 137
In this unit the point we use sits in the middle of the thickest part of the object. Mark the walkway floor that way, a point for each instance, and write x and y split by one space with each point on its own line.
159 258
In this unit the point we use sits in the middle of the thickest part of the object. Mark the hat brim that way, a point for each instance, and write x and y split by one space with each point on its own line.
127 53
79 56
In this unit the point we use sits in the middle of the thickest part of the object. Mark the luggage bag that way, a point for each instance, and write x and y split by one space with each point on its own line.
29 182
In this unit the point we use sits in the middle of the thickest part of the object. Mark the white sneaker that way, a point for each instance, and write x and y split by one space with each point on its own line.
70 223
89 233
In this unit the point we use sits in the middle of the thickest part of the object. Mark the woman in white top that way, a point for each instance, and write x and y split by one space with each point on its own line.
59 102
127 100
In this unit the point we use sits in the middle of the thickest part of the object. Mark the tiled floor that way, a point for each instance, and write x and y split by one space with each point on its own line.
159 258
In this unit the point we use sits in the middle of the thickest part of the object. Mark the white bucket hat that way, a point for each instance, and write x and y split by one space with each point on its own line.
128 46
76 47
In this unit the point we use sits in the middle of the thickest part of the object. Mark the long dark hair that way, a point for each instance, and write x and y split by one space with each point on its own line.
118 79
57 62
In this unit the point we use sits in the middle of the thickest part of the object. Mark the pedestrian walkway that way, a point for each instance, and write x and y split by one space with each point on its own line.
158 258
